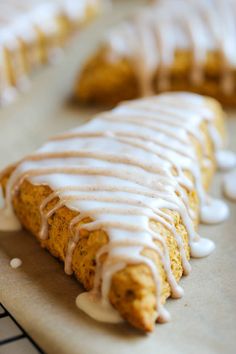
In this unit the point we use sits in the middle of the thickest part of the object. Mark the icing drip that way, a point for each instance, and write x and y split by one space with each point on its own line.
91 304
151 39
124 172
202 248
214 211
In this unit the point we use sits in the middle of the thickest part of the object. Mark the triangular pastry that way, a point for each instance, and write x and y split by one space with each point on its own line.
173 45
119 199
32 33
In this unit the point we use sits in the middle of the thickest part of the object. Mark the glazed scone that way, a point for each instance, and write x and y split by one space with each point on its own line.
118 200
32 33
174 45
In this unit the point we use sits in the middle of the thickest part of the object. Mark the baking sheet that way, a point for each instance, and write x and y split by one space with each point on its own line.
42 297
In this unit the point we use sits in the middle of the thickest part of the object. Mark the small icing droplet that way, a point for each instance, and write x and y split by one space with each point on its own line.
9 221
229 185
15 262
93 306
201 248
225 159
178 292
187 269
214 211
164 316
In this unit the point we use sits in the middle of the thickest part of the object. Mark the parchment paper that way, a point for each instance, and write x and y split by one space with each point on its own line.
42 297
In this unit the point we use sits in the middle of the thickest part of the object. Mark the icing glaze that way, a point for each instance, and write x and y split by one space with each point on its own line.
124 171
29 30
202 248
151 39
214 211
15 263
100 312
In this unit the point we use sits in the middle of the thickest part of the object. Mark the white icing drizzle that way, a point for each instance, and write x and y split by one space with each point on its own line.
152 37
23 24
214 211
123 170
91 304
202 248
19 18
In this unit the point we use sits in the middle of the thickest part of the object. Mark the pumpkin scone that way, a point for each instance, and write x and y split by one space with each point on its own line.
32 34
119 199
171 46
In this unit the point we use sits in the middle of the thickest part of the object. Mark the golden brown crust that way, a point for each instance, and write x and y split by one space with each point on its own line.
104 82
132 290
108 81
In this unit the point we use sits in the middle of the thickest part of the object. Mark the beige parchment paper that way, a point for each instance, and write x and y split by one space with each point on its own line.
42 297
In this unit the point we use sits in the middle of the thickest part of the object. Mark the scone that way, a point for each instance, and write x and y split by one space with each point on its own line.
32 33
118 200
171 46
